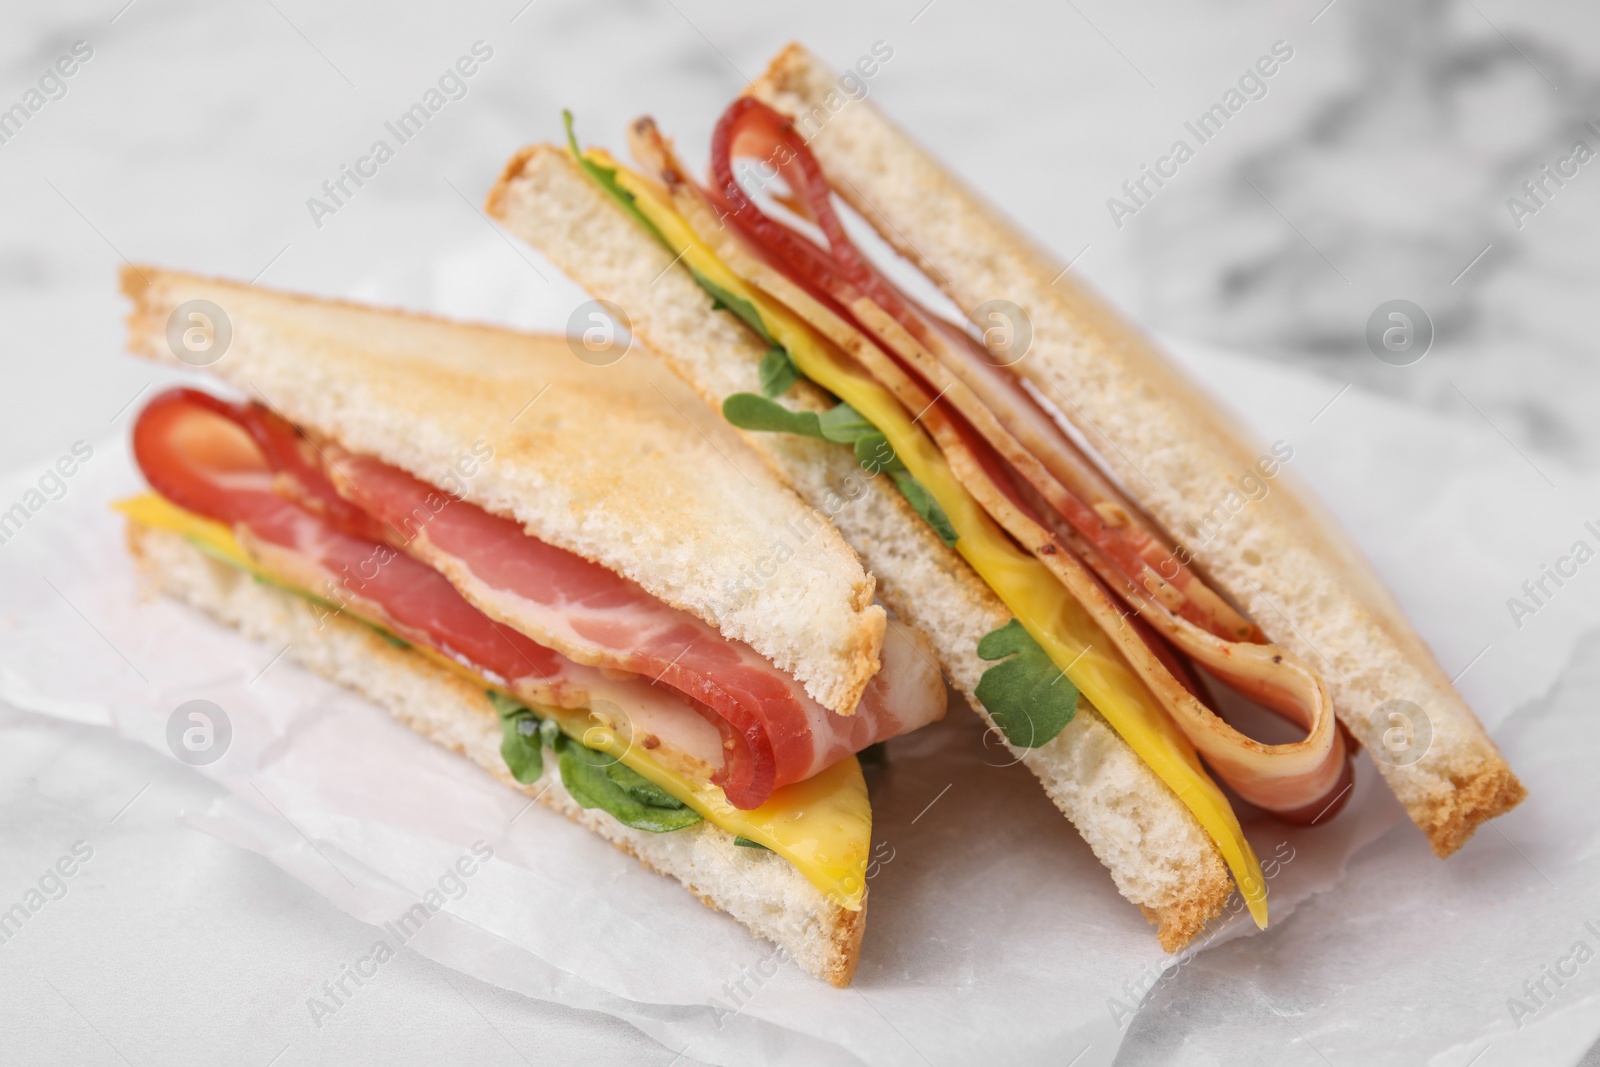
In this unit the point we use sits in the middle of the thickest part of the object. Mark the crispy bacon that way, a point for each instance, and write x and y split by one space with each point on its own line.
550 625
1007 450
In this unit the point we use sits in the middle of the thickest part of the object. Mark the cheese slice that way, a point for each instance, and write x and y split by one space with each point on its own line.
822 825
1061 626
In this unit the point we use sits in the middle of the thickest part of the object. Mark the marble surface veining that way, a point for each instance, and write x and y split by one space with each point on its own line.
1396 179
1378 164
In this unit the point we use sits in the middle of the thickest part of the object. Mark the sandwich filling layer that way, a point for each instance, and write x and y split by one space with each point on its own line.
1025 471
1059 623
724 733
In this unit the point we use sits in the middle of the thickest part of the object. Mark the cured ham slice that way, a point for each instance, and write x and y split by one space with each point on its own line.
772 731
550 625
1009 453
193 451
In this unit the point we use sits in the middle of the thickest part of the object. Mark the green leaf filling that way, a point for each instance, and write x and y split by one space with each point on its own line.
592 779
722 300
504 706
778 372
606 179
641 788
397 642
745 842
519 742
844 425
1028 697
595 779
876 455
923 504
550 733
751 412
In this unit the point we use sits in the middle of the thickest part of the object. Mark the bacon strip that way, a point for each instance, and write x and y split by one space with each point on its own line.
1022 469
190 449
952 365
773 732
207 456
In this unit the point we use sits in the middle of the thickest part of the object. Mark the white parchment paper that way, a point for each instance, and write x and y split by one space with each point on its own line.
993 933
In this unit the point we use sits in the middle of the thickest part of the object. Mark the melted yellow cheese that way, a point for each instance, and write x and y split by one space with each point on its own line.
822 825
1061 626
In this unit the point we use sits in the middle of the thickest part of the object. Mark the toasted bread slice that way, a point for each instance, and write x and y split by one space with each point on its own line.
760 889
1158 855
600 460
1281 558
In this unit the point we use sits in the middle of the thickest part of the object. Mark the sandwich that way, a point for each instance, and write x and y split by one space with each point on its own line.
545 566
1103 562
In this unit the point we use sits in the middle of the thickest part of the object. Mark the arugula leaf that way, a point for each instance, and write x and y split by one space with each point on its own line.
875 455
397 642
844 424
519 745
923 504
595 779
505 706
722 300
589 779
745 842
874 755
778 372
751 412
641 788
604 782
606 179
1028 697
520 748
550 733
841 423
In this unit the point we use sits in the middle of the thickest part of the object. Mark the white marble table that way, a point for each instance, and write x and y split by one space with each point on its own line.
1377 164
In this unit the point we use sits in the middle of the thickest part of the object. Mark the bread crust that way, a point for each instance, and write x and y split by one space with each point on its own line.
619 464
1177 451
1156 851
761 890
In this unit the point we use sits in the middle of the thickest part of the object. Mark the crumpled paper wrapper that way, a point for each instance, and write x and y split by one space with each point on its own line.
993 932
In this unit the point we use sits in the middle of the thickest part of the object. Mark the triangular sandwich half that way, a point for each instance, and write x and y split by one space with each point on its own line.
1103 562
544 565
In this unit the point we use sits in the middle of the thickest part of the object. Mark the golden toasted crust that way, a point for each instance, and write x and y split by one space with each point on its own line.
1181 922
1479 795
1280 557
618 463
761 890
1156 851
